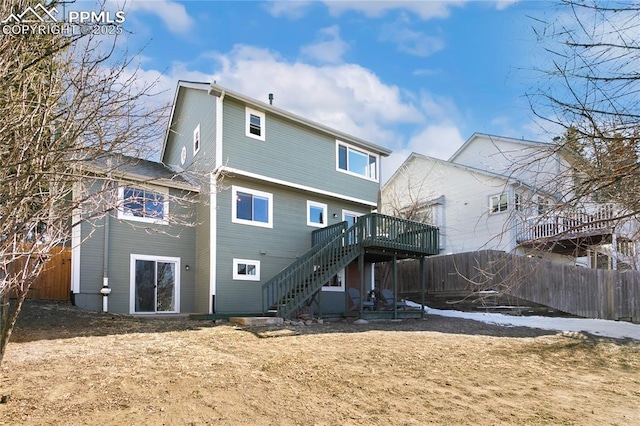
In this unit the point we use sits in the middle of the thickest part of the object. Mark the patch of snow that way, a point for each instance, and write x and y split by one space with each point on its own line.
598 327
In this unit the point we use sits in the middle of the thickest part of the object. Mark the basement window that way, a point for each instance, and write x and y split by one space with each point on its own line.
246 270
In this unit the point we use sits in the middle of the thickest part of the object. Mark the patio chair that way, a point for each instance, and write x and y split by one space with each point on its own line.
354 294
387 296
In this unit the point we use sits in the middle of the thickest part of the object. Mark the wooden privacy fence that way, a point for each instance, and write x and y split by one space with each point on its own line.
590 293
54 282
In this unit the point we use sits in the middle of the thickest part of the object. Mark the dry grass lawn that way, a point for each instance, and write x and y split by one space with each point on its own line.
71 367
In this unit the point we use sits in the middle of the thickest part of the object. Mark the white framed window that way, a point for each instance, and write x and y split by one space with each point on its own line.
499 203
251 207
246 270
336 283
543 206
518 202
316 214
196 139
254 124
143 204
356 161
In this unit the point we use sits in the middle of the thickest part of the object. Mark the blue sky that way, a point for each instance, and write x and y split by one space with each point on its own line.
410 76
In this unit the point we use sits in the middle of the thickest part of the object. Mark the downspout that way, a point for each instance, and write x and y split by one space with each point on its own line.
105 290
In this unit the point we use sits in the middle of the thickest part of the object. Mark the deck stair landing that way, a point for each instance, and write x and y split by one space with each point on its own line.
335 247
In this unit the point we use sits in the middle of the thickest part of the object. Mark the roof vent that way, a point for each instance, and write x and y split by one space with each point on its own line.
270 98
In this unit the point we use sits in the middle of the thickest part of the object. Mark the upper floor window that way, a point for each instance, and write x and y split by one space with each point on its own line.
356 161
143 205
316 214
254 124
196 139
251 207
498 203
543 205
518 202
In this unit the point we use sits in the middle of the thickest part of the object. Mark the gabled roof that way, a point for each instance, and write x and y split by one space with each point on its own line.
217 90
125 167
416 156
524 142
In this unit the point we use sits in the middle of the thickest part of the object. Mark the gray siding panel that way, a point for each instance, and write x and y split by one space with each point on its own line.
291 152
275 248
192 107
126 238
203 254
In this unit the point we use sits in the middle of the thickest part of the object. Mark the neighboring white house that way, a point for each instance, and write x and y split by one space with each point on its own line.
509 194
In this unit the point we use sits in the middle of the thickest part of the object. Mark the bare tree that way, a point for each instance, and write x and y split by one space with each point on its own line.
71 106
593 92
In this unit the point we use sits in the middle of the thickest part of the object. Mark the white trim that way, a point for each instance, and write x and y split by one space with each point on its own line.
498 197
219 129
233 171
197 137
76 239
247 262
341 287
351 213
213 242
362 151
247 123
157 189
253 192
132 282
324 214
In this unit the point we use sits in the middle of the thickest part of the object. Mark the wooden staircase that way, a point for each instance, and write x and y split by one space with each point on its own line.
335 247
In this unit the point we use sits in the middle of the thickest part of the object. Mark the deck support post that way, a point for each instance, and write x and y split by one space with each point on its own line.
395 286
423 285
361 270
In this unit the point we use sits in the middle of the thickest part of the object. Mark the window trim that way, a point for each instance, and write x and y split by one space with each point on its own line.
498 197
198 139
238 277
324 214
337 288
247 125
158 190
362 151
254 192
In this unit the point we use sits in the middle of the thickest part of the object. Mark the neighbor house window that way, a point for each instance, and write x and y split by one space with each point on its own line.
143 204
336 283
251 207
518 202
246 270
498 203
255 121
356 161
543 205
316 214
196 139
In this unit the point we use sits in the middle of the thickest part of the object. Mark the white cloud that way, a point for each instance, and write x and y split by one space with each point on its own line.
504 4
412 42
424 9
172 14
347 97
293 9
328 49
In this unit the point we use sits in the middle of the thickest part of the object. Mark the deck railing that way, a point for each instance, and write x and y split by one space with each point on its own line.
334 248
568 223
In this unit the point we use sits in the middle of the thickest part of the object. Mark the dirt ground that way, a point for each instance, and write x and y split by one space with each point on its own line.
73 367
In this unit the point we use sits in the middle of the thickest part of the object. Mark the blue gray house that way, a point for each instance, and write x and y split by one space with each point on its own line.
285 218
